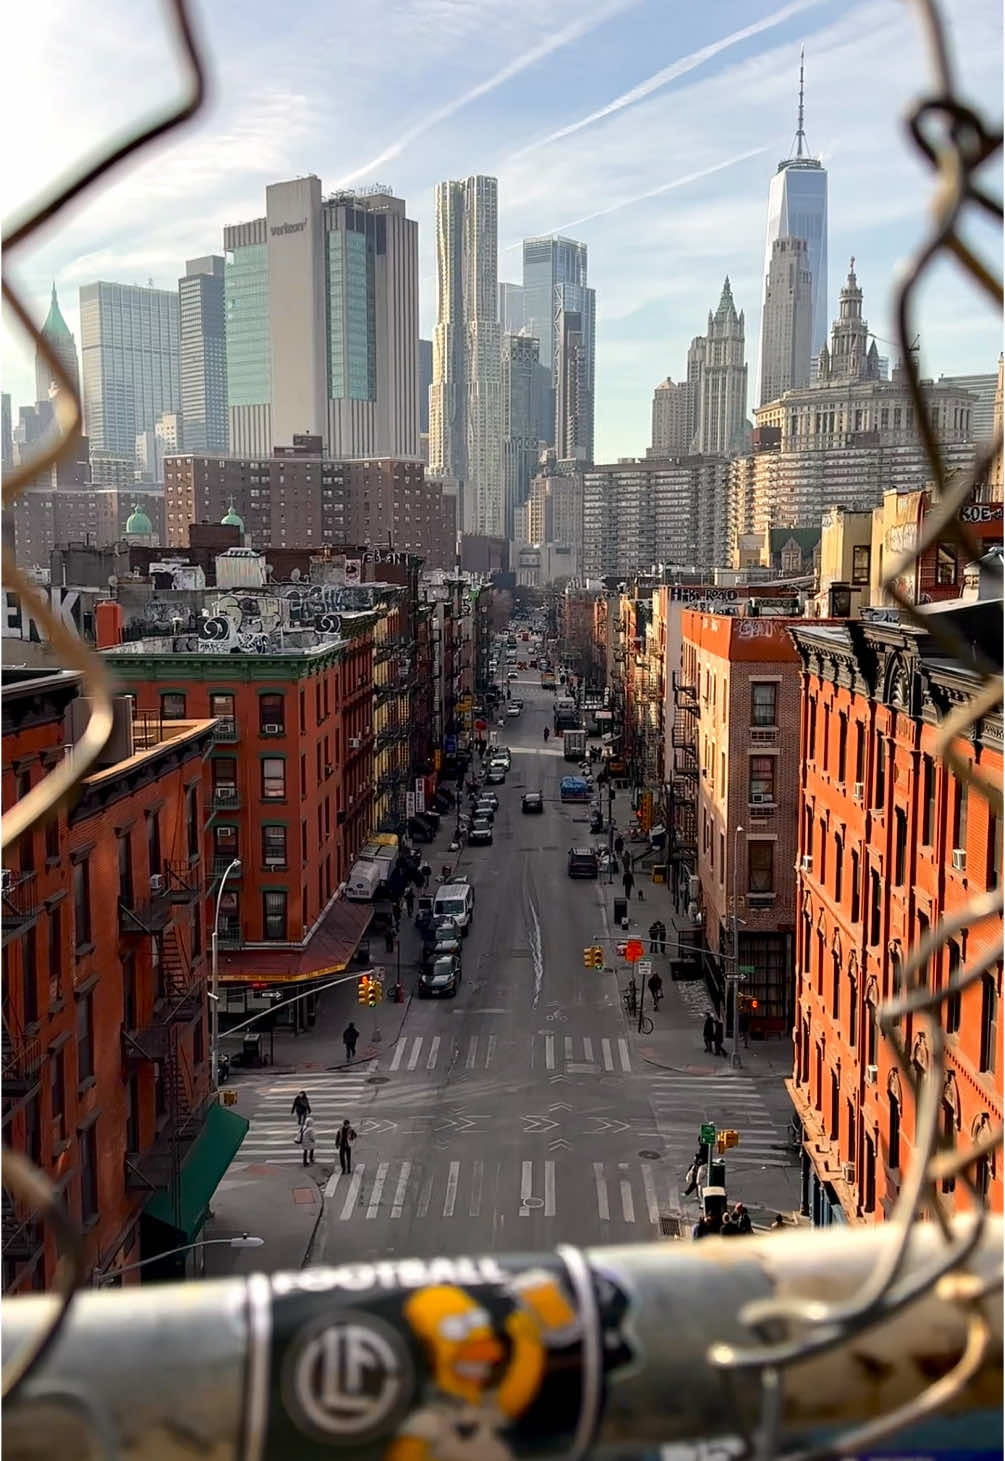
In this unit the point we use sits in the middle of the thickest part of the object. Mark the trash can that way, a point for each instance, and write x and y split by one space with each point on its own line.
620 909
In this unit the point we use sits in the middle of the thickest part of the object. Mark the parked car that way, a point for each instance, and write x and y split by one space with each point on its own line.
512 711
517 703
444 948
496 775
481 831
512 675
424 912
532 801
490 798
583 862
441 926
441 979
484 811
502 753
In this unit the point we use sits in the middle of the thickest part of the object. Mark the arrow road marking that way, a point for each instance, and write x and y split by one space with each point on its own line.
558 1144
560 1106
604 1125
538 1124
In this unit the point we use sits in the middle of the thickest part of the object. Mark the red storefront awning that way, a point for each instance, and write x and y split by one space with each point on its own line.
328 951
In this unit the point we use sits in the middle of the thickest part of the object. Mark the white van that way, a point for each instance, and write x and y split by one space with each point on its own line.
457 900
364 880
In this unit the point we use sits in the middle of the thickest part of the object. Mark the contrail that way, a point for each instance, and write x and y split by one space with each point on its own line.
691 177
670 73
547 47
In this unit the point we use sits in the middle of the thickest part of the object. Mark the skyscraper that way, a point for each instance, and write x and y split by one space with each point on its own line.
202 352
797 208
673 419
521 385
322 323
6 432
425 381
465 402
573 383
56 333
129 351
786 320
718 374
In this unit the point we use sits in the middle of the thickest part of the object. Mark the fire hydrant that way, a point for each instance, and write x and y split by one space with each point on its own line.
399 993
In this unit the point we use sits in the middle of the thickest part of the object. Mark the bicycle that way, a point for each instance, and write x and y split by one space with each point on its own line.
646 1026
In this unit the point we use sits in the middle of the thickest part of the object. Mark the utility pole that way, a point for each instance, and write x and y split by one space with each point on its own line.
734 981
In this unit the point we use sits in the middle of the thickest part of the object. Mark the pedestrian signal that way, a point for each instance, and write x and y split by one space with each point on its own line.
727 1139
753 1004
363 990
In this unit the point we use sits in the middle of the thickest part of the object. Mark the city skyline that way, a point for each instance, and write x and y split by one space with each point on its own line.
653 218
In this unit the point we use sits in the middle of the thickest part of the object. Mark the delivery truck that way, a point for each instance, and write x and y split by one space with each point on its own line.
574 744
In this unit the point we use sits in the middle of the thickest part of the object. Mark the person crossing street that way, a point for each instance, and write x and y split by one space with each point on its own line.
301 1107
344 1139
350 1035
307 1139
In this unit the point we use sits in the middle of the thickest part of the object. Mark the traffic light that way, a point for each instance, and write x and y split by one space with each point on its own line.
373 992
598 957
726 1139
588 958
363 990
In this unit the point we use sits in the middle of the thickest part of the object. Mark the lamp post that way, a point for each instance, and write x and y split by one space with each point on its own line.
244 1240
214 993
734 1058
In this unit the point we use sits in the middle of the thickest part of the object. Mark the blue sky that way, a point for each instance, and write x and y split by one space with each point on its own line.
647 128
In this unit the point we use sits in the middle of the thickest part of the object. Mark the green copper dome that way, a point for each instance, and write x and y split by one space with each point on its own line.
232 518
138 525
54 321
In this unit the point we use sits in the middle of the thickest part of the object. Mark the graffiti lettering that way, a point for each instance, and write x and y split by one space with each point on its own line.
981 512
20 623
757 629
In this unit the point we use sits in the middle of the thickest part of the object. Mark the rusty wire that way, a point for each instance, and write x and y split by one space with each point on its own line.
787 1331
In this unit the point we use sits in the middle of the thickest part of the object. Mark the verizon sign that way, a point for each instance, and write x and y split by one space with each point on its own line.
280 228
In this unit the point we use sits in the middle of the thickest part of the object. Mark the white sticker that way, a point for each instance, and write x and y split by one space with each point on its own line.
347 1378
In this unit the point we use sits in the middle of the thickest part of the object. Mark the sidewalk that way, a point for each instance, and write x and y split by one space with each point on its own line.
280 1204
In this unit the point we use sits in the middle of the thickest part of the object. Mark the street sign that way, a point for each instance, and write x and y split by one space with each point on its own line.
645 969
706 1133
634 950
746 969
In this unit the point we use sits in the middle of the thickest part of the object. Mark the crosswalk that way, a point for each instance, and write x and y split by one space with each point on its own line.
439 1052
584 1054
334 1095
617 1193
682 1102
571 1054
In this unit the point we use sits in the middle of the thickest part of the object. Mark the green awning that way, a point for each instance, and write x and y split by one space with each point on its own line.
201 1171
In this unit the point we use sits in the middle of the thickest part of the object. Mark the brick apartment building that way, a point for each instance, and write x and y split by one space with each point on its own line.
106 1082
734 800
890 842
291 786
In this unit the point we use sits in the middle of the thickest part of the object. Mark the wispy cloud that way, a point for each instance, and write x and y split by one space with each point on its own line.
574 31
670 73
691 177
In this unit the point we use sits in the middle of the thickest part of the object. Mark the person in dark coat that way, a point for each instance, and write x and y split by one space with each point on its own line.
425 872
693 1172
409 902
344 1139
778 1222
654 937
728 1227
655 988
389 940
349 1037
708 1033
629 883
663 936
741 1217
301 1107
717 1037
619 844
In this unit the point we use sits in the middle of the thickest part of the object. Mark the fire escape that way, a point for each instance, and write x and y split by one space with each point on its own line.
682 828
178 1000
22 1057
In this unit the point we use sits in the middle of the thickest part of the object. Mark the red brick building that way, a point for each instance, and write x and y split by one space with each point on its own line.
890 843
106 1083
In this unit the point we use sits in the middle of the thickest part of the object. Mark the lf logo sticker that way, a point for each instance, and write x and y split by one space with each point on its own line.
347 1379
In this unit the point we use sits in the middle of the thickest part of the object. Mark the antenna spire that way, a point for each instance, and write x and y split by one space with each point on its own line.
801 148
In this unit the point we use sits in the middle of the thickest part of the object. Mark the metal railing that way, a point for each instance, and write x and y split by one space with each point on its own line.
18 899
225 728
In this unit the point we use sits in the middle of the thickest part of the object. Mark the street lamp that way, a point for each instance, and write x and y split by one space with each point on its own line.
734 1059
234 866
243 1240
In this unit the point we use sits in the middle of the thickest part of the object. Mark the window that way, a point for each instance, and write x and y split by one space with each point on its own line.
26 848
949 1132
852 1011
761 783
945 563
871 1033
126 870
823 853
960 814
273 779
29 967
85 1038
928 803
271 714
54 919
836 985
130 1014
869 1185
860 753
856 888
133 1138
154 841
893 1133
838 867
221 706
192 818
224 772
82 903
173 705
989 1021
835 1125
952 1004
879 783
994 852
274 914
849 1141
273 846
875 907
52 839
811 729
860 559
899 846
760 867
88 1148
825 749
842 745
57 1094
762 703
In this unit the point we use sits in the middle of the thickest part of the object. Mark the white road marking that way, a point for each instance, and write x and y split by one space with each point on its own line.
549 1051
434 1050
626 1063
424 1196
353 1193
451 1195
628 1206
605 1050
549 1189
413 1059
399 1051
378 1190
587 1048
603 1206
490 1051
568 1047
469 1064
477 1178
331 1184
399 1191
535 951
526 1186
652 1202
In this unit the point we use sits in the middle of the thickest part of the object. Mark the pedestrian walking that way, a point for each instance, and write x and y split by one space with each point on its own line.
654 937
662 936
691 1177
349 1037
708 1033
626 861
655 988
717 1037
343 1145
425 873
301 1107
409 902
397 916
389 940
307 1140
741 1218
629 883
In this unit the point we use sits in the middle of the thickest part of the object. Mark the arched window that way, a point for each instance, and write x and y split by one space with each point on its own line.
950 1121
984 1167
852 1025
871 1032
893 1130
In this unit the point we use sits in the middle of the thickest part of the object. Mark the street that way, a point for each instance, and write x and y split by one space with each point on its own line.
526 1111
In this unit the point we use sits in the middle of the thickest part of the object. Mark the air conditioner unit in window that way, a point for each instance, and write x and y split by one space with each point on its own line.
806 862
848 1171
354 743
156 883
871 1074
272 729
858 792
959 860
757 798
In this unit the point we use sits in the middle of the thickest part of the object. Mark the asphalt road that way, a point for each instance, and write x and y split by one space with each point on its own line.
521 1113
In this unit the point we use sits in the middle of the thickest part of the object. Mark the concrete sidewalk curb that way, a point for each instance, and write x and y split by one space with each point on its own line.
317 1223
725 1074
